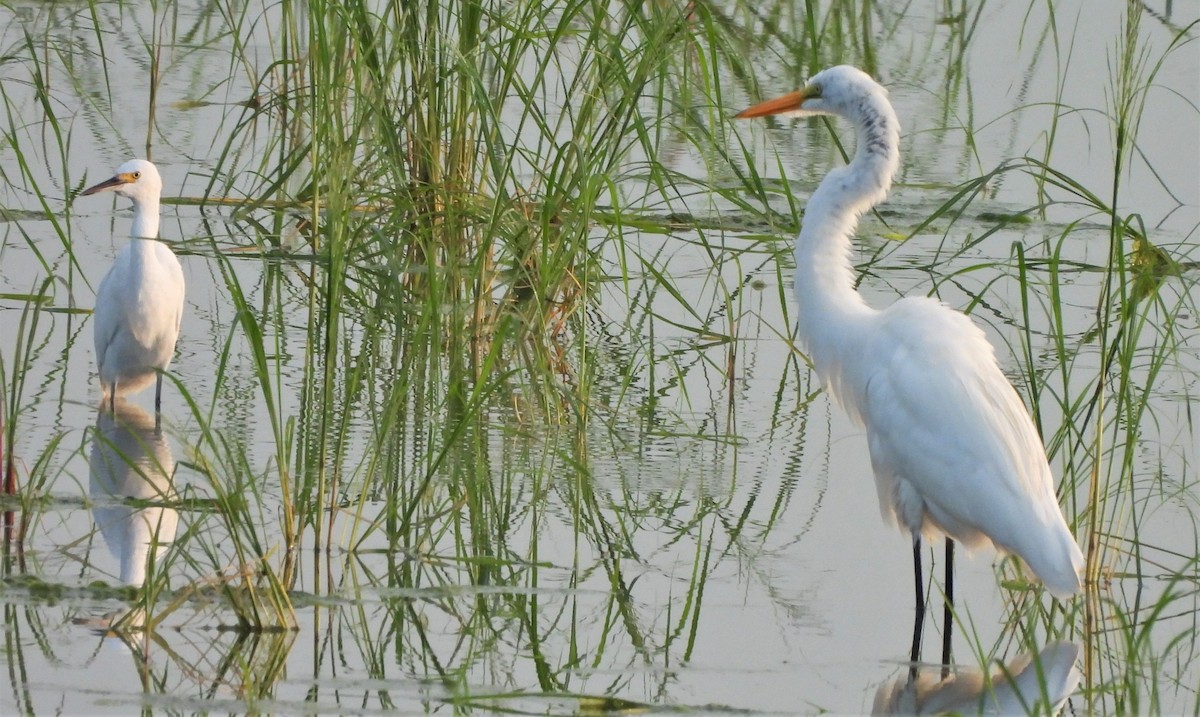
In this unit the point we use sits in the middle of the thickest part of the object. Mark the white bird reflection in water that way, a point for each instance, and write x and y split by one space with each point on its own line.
1016 690
131 461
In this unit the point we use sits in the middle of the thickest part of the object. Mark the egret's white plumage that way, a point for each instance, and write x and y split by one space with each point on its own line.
953 448
139 304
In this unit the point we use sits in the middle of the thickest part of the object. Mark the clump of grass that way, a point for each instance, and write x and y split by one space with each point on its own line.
453 212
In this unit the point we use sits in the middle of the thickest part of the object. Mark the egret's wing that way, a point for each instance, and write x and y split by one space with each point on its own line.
110 305
171 291
948 434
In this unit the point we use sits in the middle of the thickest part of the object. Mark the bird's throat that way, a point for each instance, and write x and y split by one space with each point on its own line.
145 220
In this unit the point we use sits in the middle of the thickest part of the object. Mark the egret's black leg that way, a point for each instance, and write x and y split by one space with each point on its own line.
919 620
112 399
948 614
917 575
158 393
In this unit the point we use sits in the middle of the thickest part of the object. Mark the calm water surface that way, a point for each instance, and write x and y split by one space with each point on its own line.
751 486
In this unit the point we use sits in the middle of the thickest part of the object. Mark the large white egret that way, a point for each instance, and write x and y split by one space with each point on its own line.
953 449
140 301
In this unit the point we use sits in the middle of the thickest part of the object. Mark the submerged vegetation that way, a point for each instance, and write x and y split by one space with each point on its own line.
485 395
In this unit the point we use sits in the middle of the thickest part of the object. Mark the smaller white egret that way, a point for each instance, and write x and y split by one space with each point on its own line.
953 449
140 301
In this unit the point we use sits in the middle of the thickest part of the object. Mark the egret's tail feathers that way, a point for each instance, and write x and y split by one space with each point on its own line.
1058 563
1062 585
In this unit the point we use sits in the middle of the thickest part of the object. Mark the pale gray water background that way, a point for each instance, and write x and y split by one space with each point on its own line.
808 608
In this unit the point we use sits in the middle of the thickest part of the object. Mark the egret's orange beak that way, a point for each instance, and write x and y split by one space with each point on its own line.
787 103
108 184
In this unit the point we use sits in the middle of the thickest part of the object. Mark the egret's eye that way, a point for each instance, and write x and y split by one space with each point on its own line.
137 175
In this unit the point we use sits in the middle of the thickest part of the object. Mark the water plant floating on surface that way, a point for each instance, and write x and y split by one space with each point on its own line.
140 301
953 448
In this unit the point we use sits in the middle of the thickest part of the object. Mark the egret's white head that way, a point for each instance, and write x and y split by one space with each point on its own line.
851 93
841 90
136 179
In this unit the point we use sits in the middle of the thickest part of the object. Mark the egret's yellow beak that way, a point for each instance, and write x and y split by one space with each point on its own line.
787 103
110 184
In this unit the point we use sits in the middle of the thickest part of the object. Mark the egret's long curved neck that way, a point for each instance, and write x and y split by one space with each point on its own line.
145 218
825 281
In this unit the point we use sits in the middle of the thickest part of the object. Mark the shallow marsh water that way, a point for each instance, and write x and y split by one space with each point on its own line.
686 521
